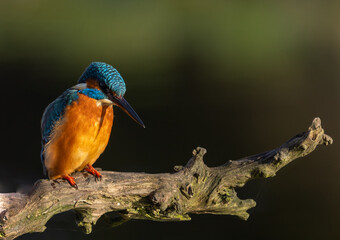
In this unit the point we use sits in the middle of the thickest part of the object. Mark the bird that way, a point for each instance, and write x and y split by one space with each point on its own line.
76 126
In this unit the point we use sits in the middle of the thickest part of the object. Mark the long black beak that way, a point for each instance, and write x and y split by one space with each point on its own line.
125 106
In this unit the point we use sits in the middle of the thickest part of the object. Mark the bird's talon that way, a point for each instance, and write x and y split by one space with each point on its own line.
97 175
70 180
98 178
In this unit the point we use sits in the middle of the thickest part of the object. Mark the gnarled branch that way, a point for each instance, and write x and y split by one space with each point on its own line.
192 189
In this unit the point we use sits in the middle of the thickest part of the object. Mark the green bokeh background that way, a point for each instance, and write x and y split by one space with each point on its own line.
235 77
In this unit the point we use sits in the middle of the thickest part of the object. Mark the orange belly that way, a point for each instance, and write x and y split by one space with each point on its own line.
79 137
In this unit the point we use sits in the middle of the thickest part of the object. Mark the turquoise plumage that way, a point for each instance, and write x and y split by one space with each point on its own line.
75 127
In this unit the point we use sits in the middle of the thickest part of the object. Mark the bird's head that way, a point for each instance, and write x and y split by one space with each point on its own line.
110 82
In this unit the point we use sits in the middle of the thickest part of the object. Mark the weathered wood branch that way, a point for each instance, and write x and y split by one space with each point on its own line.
192 189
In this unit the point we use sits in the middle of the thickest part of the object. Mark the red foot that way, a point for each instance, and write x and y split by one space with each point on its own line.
70 180
93 171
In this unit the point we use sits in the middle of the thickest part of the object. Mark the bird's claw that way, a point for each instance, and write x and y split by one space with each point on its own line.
97 175
98 178
71 181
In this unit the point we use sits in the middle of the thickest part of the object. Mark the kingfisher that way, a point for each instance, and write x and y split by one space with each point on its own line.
76 126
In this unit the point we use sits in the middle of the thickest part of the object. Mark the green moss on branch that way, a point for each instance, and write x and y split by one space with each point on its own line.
192 189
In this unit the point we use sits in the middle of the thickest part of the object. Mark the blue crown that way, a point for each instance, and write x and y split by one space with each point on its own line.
106 75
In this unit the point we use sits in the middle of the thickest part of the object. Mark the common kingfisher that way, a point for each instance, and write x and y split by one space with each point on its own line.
76 127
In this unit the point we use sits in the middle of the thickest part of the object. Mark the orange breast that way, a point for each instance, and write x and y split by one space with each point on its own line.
79 137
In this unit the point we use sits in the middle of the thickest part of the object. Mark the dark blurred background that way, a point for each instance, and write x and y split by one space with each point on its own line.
235 77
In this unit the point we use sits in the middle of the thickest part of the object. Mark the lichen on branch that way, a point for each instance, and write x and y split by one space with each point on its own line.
191 189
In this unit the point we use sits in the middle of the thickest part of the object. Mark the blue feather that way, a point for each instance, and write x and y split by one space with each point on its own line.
106 75
51 115
93 93
56 109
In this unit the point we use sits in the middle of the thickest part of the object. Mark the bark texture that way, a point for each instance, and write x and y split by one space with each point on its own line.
191 189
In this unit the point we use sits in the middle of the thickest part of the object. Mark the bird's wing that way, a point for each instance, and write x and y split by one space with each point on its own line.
52 114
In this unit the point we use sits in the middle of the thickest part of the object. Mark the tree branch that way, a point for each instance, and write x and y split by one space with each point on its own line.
192 189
